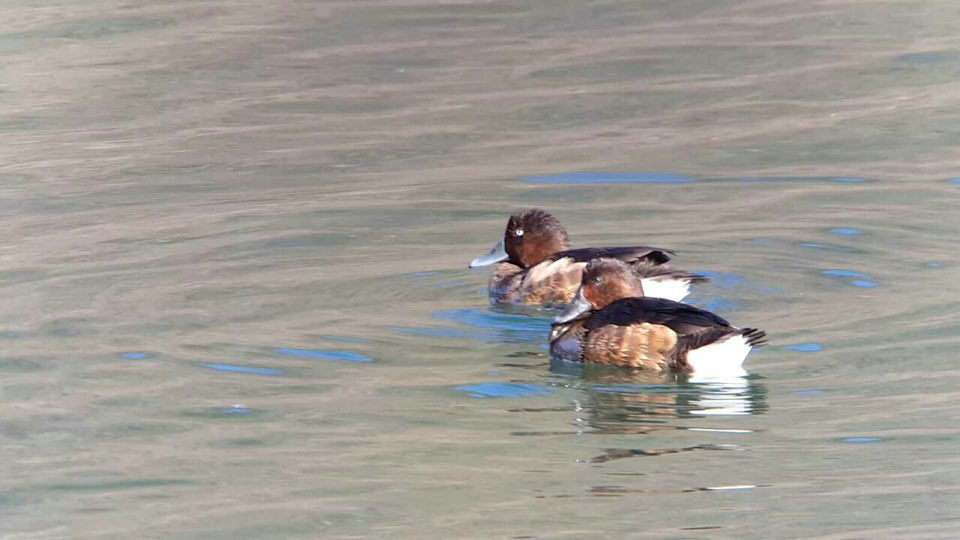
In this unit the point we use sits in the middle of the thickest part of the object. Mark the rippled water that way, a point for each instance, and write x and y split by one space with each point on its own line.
236 296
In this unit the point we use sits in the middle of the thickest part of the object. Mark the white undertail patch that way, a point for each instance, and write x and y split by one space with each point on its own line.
669 288
720 359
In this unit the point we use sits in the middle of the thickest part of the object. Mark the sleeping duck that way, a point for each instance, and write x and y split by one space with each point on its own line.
538 268
610 322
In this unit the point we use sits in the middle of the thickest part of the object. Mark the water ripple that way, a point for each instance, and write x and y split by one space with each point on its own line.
594 178
485 326
725 280
804 347
860 440
503 390
846 231
243 369
829 247
346 356
857 279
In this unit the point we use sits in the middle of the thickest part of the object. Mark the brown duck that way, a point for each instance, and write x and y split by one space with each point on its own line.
610 321
536 266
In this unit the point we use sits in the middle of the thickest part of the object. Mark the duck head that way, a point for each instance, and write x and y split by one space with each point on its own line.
604 281
531 236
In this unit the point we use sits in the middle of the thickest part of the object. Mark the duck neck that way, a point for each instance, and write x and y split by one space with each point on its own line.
614 292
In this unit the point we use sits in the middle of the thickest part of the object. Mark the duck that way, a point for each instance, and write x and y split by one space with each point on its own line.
535 265
610 321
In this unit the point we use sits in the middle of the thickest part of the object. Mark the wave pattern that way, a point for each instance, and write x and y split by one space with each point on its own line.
236 237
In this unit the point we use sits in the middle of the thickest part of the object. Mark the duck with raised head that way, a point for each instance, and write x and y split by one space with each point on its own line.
610 321
537 267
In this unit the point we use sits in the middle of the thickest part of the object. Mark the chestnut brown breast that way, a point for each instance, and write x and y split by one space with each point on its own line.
548 283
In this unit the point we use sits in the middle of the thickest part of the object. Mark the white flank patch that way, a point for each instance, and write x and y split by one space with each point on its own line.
545 270
721 359
669 288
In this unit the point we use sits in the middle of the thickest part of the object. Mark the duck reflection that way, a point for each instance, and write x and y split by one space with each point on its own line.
619 401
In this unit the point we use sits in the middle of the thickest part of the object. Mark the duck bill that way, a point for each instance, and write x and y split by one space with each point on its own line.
577 308
497 253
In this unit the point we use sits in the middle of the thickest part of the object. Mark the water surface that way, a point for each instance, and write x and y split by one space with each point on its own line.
237 302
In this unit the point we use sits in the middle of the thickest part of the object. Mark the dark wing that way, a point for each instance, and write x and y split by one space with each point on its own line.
681 318
647 270
632 254
702 338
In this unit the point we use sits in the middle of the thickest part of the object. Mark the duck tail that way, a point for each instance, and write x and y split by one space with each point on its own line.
662 281
754 336
719 350
647 269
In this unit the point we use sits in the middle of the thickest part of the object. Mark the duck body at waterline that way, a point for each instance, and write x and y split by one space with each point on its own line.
611 321
536 267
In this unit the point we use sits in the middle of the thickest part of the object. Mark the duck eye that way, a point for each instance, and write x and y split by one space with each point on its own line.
518 232
596 280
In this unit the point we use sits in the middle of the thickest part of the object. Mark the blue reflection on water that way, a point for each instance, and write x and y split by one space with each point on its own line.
862 283
133 355
722 280
503 390
243 369
848 180
504 321
486 326
860 440
610 178
827 247
237 410
843 273
846 231
804 347
628 388
926 57
324 355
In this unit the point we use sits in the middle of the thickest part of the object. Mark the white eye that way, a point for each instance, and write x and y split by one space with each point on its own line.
518 232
